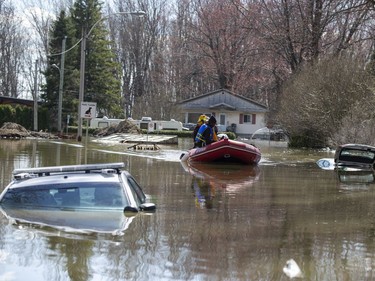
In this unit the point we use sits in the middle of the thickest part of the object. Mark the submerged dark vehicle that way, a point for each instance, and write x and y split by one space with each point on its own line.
350 157
355 155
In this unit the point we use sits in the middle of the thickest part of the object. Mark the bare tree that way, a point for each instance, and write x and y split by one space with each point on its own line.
12 45
38 16
226 48
140 44
301 30
186 63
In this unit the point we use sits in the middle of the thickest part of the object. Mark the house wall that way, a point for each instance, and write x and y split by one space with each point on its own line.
248 128
244 128
233 117
229 104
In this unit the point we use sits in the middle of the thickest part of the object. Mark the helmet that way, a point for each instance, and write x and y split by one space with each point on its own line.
203 118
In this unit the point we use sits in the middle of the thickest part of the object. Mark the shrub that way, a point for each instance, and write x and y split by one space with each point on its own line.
316 101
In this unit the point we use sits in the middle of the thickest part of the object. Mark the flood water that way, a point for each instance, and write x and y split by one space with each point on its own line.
213 222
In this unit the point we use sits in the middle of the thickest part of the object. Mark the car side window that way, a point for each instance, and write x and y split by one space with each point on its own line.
36 197
86 195
68 197
108 196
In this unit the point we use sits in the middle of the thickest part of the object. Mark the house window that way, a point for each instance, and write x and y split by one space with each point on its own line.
247 118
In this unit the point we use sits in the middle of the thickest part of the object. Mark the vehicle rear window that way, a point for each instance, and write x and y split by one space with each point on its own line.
357 155
82 195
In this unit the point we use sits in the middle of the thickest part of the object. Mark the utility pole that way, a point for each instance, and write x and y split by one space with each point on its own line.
61 86
35 96
81 83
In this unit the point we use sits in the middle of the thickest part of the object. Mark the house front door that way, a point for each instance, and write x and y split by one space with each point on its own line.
222 122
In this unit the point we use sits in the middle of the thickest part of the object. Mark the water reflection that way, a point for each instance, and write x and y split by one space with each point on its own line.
356 177
287 209
355 180
83 222
209 179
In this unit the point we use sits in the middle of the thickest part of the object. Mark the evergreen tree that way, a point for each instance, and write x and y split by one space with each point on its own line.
62 28
101 84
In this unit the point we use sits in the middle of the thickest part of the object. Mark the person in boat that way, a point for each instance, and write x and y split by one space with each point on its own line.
201 120
215 137
206 133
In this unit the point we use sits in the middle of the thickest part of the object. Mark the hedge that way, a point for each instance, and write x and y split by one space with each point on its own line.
23 116
180 134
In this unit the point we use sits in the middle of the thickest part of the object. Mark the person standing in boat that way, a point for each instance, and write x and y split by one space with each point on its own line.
206 133
201 120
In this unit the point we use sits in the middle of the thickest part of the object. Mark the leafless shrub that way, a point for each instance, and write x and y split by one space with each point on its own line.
358 126
326 101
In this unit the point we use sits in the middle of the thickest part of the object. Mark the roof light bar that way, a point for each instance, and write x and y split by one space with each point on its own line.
70 168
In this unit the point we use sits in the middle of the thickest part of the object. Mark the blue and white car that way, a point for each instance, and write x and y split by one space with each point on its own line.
88 187
94 198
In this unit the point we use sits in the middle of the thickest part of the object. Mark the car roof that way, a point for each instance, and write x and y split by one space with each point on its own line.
114 167
356 146
68 174
67 178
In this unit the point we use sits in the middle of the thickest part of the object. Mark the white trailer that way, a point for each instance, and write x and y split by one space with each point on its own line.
144 123
104 122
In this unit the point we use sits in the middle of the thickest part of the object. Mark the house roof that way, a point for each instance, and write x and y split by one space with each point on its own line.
14 101
221 99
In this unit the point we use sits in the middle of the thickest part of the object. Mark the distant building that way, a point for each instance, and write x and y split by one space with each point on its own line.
232 112
15 101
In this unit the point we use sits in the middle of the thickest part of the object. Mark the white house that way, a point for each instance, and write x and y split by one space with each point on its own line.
232 111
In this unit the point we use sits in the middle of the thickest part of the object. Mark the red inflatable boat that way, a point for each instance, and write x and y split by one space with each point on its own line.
224 151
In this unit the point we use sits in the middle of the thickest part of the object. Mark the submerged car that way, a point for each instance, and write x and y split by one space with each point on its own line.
355 155
81 187
270 134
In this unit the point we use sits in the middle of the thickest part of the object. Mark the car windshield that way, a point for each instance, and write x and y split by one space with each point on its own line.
79 195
